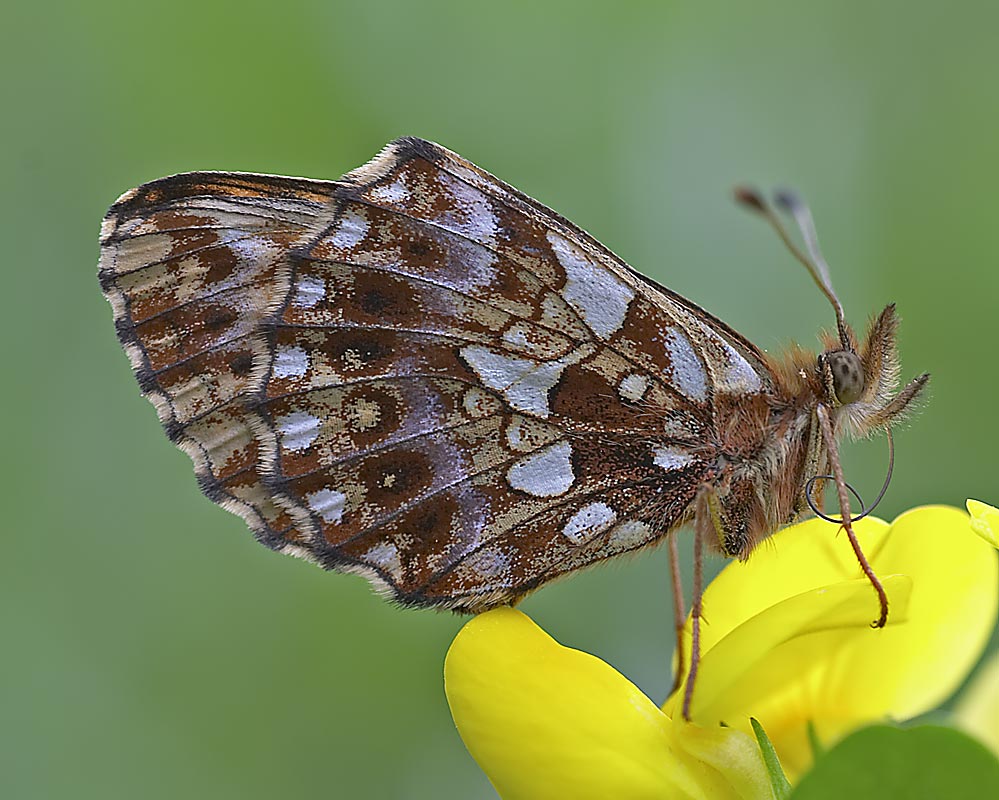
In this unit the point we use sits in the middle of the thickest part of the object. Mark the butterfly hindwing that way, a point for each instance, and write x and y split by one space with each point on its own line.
452 390
191 265
473 389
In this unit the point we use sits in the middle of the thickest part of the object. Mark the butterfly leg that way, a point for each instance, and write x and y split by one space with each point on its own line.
679 610
702 519
707 522
828 434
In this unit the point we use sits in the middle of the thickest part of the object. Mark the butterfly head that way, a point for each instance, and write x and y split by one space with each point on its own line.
861 380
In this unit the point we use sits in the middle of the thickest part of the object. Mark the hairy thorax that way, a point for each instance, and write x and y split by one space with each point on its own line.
766 445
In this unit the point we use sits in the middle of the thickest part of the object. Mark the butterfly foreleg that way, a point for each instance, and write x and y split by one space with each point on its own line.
825 424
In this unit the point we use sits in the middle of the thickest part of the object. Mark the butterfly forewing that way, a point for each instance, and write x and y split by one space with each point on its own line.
451 389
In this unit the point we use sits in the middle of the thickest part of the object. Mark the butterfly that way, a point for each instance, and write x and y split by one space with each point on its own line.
419 374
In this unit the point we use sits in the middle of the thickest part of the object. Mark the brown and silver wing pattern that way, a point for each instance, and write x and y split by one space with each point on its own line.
192 265
452 390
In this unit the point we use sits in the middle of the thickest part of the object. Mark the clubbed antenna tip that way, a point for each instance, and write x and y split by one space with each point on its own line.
788 201
750 198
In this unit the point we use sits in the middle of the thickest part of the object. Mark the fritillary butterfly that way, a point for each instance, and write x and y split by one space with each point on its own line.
419 374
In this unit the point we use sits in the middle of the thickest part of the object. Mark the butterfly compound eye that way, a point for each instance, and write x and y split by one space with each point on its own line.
847 375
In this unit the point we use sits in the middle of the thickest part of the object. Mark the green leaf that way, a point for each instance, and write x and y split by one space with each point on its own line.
778 780
927 762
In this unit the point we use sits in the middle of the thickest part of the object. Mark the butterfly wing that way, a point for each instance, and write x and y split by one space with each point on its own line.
461 395
191 265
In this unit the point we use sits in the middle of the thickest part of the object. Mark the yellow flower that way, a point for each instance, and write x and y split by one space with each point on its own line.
841 679
787 639
978 709
985 521
547 721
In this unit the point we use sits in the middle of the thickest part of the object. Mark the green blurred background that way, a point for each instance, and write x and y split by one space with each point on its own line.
150 648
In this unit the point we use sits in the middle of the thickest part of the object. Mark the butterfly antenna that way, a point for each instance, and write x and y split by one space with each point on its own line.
814 262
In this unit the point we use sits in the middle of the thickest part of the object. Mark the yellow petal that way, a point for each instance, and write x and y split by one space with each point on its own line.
915 667
985 521
839 681
547 721
977 711
783 643
801 558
